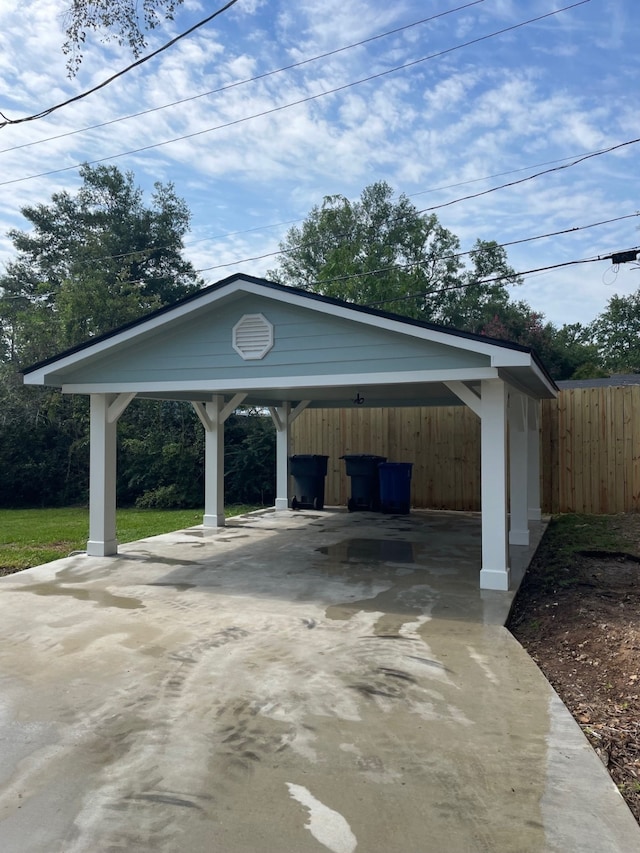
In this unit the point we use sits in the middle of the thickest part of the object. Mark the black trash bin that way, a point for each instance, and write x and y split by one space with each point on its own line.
308 471
365 489
395 486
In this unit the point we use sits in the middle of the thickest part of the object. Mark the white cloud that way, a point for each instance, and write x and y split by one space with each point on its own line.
543 93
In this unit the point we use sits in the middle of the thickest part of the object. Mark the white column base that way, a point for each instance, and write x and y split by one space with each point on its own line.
492 579
282 503
102 549
213 520
519 537
534 513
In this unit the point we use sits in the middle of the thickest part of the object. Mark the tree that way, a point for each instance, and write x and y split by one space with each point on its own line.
616 334
91 262
122 20
565 352
384 253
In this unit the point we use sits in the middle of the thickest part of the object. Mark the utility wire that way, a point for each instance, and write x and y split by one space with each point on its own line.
408 195
531 177
300 101
142 252
459 286
407 266
243 82
455 255
6 121
463 285
485 280
190 243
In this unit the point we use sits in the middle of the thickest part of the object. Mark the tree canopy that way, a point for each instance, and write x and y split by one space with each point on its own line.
125 21
615 334
91 262
385 253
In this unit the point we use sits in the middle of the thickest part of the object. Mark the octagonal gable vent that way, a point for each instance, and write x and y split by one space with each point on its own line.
252 336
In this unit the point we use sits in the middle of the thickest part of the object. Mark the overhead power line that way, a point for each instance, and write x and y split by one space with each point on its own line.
300 101
536 175
366 273
454 255
7 121
408 195
464 285
237 83
571 230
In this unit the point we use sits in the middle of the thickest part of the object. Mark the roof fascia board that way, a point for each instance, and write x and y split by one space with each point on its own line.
349 380
510 358
518 386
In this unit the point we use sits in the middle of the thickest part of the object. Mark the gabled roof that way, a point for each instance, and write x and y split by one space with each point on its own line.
339 344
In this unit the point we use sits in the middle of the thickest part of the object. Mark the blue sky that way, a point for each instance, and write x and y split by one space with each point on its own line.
480 114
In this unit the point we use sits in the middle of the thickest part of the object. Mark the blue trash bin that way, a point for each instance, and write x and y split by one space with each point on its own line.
395 486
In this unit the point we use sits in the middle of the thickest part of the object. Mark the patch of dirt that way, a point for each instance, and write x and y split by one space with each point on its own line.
580 622
8 570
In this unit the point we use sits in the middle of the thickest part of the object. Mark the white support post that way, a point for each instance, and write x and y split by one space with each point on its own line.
102 478
533 461
518 469
282 419
495 550
212 418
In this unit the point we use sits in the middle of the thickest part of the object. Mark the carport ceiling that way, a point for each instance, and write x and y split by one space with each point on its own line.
277 344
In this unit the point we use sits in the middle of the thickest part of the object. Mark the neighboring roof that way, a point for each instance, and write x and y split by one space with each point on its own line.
71 368
602 382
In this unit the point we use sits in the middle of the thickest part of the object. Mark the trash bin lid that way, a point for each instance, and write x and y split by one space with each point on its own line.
363 456
308 456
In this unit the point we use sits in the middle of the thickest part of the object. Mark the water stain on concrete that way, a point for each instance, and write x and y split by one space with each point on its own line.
393 563
100 597
366 551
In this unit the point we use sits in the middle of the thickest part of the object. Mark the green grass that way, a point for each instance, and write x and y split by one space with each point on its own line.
31 537
573 532
570 534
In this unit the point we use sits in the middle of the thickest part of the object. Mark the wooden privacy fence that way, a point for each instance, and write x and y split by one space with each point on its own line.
590 450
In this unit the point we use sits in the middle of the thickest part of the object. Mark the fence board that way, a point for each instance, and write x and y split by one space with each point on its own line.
627 421
590 450
549 461
635 451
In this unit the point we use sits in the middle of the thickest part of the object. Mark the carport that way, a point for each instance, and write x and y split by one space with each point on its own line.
248 341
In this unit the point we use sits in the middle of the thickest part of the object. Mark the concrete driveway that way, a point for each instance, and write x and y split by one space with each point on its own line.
293 683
